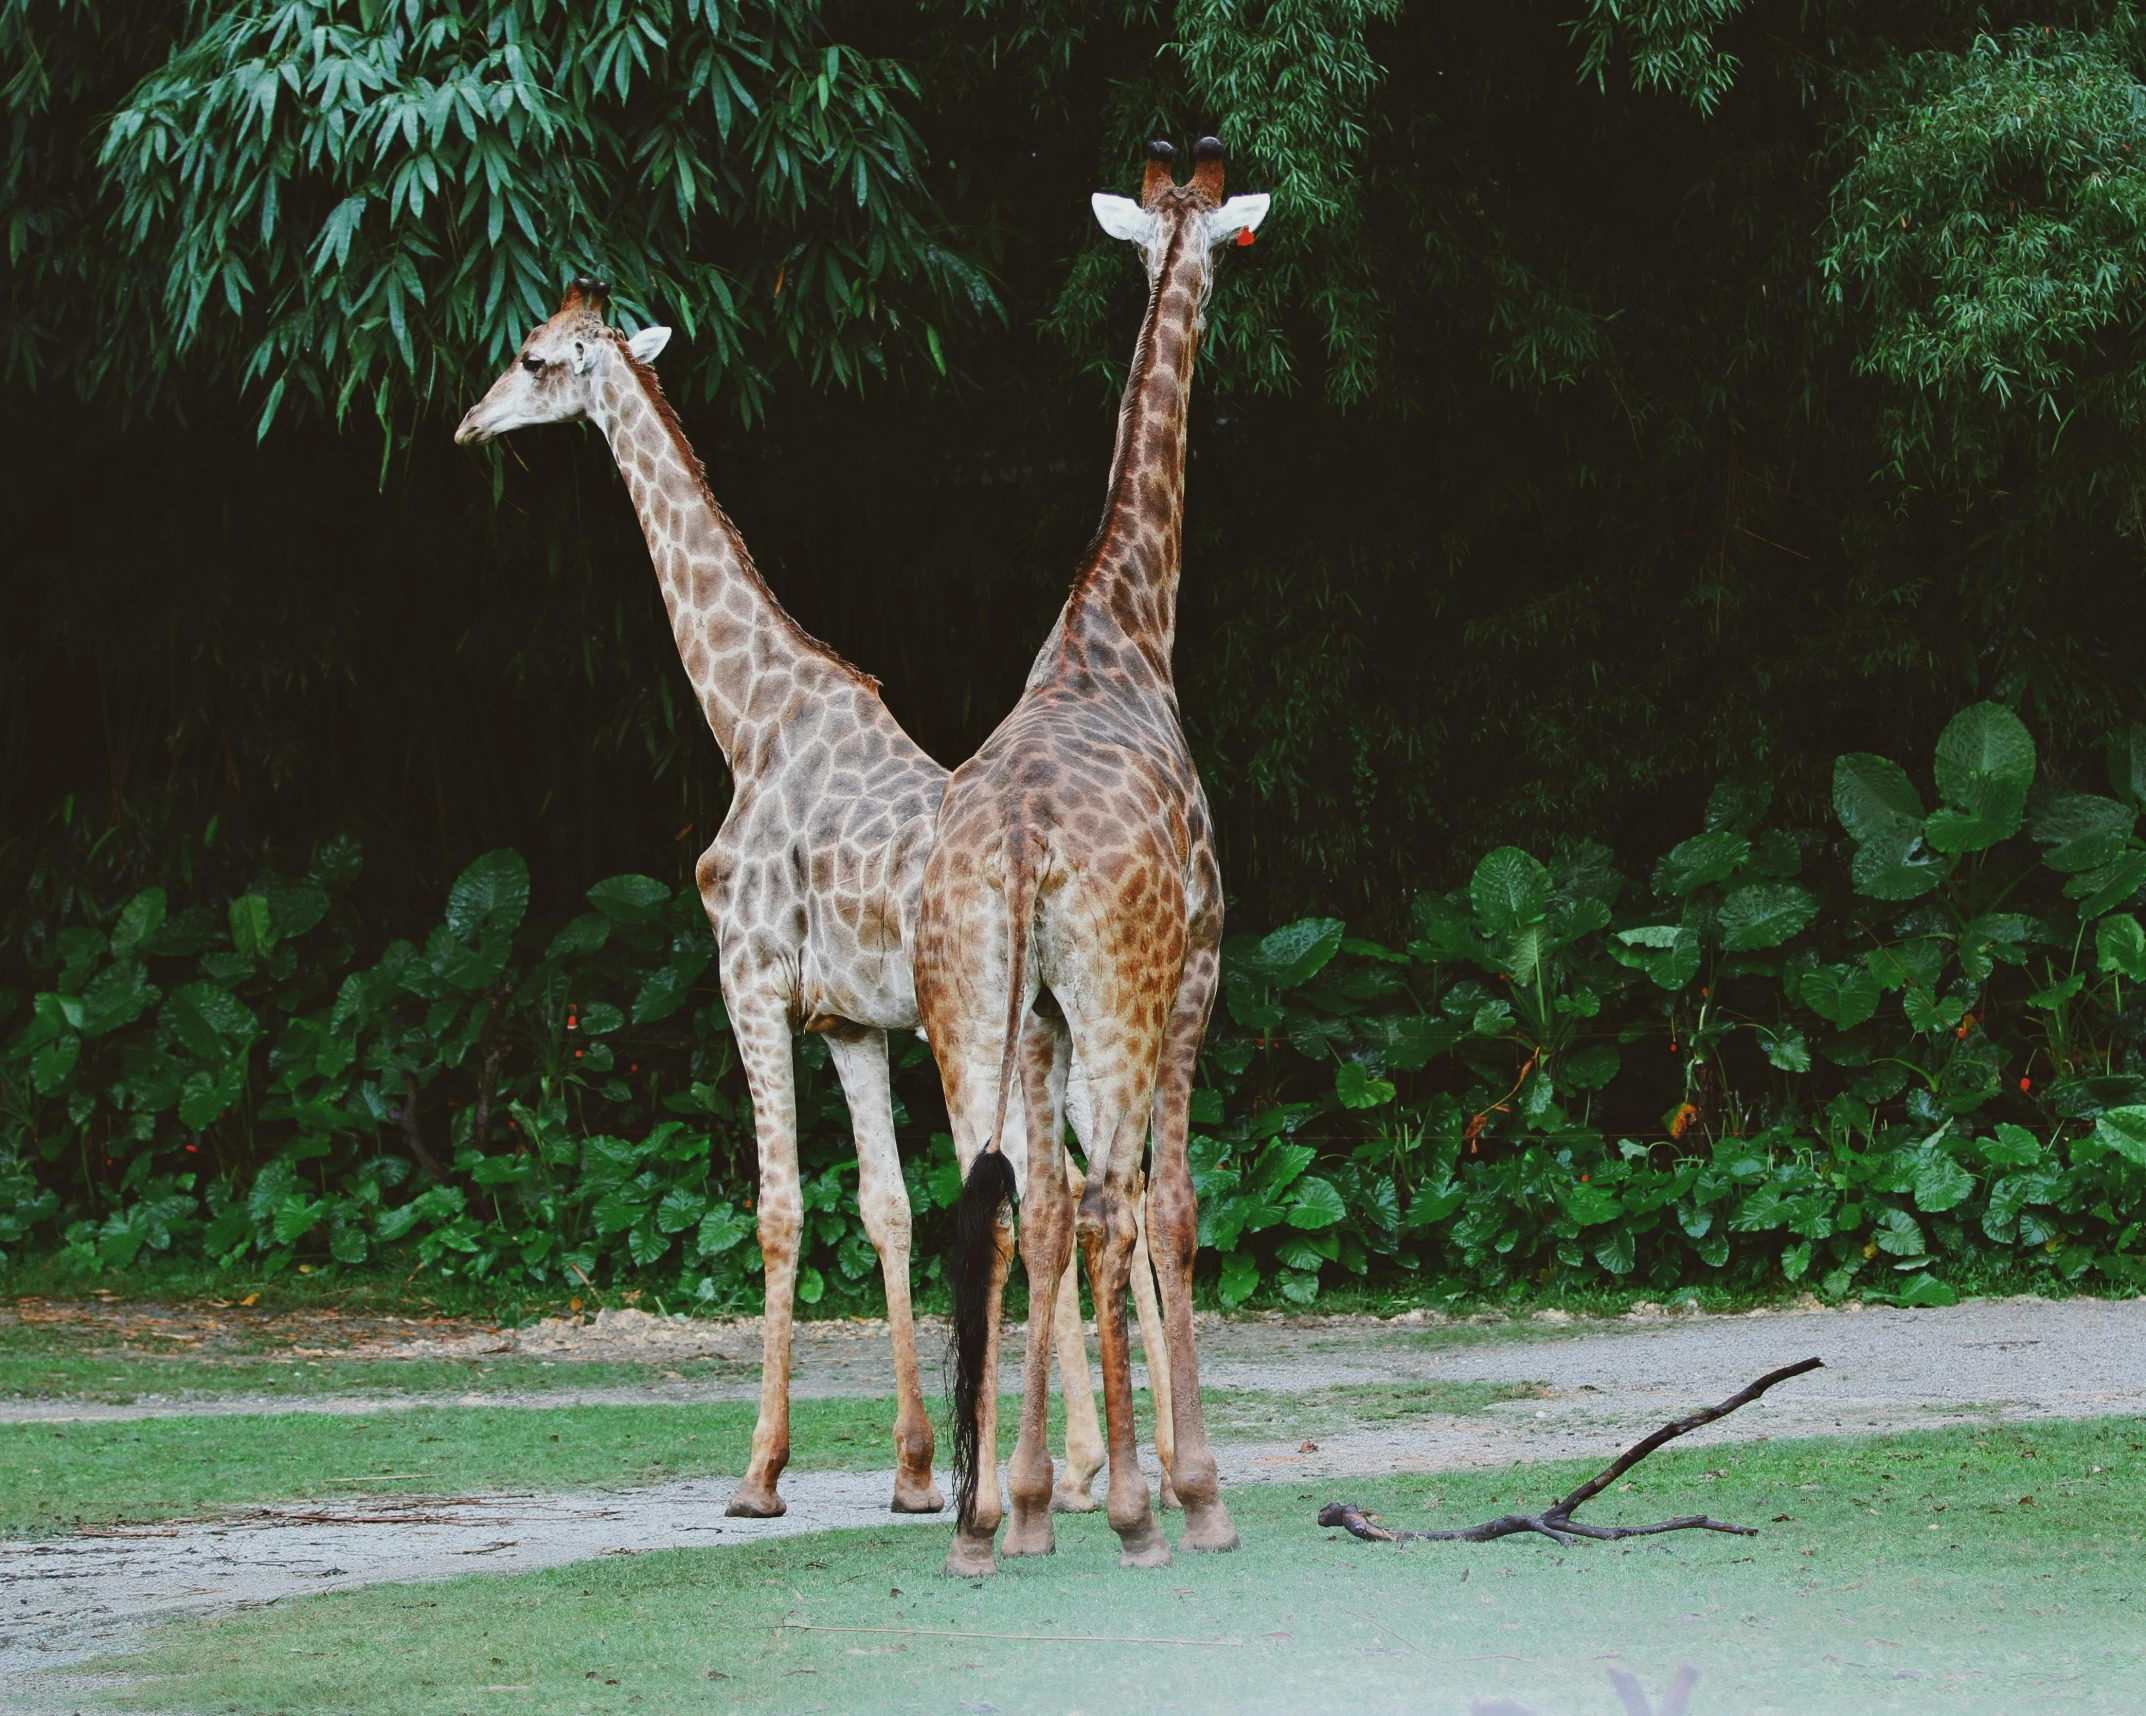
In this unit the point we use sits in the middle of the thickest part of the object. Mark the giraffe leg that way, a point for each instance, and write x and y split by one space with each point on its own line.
1155 1349
1173 1227
1046 1243
861 1062
1107 1230
761 1029
1084 1433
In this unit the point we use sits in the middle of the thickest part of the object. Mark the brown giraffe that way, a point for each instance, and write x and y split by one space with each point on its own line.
812 885
1075 855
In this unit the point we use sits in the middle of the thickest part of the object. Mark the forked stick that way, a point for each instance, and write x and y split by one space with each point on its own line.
1556 1520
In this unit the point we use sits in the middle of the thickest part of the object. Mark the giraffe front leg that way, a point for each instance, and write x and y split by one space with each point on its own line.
861 1062
762 1032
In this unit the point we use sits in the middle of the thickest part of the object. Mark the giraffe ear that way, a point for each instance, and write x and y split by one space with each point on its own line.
646 344
1121 217
1238 215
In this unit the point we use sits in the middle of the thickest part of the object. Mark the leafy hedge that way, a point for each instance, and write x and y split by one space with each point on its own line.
1868 1057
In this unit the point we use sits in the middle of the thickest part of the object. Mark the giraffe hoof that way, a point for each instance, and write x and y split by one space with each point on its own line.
917 1498
1208 1532
970 1557
755 1501
1066 1499
1168 1501
1143 1546
1031 1536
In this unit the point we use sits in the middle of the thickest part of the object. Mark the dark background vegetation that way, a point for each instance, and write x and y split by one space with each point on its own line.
1625 397
1550 451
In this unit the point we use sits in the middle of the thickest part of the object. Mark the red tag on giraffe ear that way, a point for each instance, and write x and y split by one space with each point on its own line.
1244 236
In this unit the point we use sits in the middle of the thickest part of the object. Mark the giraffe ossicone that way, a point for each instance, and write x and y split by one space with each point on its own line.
811 886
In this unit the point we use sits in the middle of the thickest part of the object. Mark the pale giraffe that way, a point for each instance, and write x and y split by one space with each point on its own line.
1075 855
812 884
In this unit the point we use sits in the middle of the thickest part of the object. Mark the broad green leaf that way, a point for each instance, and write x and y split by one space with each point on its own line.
1358 1087
2120 946
1875 800
1317 1204
1444 931
1906 870
296 1216
1590 1205
2058 993
1590 1068
1942 1184
646 1246
1618 1253
117 996
1785 1048
297 908
1239 1280
2013 1147
1298 952
1765 914
679 1209
1736 806
2083 831
253 926
1842 995
1700 860
1509 891
1984 742
1434 1203
630 899
209 1019
491 894
142 917
600 1019
1925 1291
2124 1131
1299 1287
1668 953
667 989
721 1229
584 934
54 1064
2107 886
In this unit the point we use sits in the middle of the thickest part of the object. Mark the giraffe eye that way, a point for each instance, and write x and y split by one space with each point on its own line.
534 365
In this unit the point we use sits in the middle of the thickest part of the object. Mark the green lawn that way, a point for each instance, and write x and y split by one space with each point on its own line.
1899 1573
55 1475
124 1378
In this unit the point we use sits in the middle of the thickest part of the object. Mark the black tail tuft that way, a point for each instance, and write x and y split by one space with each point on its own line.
989 1185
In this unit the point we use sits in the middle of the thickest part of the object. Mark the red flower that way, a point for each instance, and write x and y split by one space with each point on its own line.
1244 237
2026 1084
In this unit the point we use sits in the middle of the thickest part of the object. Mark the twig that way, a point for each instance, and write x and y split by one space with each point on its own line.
1556 1520
1025 1638
406 1118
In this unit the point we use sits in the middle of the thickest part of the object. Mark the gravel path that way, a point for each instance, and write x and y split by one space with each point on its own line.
65 1598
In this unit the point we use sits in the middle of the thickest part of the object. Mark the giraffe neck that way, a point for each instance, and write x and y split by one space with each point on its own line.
1126 591
742 652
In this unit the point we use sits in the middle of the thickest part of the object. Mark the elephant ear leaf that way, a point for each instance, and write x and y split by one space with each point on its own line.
492 894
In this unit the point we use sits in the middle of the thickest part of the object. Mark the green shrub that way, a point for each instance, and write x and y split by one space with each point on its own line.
1873 1057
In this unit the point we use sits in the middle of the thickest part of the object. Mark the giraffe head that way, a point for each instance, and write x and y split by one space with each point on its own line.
1195 209
561 367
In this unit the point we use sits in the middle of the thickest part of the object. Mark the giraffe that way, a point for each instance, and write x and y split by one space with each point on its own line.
1075 855
812 884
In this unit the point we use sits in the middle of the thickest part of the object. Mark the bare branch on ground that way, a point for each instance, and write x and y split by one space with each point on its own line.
1556 1520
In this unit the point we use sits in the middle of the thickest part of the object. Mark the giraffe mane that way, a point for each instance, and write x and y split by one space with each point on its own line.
667 415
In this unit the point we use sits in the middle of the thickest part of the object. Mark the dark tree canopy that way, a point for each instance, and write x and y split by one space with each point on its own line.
1612 401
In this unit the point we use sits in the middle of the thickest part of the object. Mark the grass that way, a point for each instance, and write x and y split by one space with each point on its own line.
55 1476
122 1379
1896 1573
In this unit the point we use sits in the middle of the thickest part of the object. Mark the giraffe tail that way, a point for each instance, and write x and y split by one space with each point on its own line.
988 1189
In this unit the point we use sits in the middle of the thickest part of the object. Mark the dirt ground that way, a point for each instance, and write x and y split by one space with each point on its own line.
1600 1384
